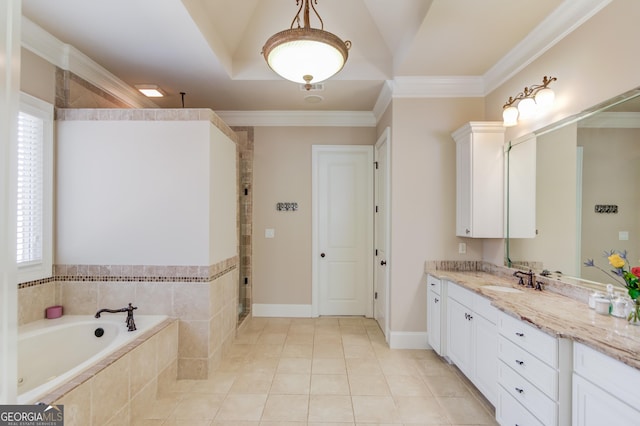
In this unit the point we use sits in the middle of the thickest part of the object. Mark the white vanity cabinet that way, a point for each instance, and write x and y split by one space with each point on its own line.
436 326
533 375
479 179
472 338
605 391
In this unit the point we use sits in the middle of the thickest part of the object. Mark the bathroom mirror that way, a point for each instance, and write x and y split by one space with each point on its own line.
587 169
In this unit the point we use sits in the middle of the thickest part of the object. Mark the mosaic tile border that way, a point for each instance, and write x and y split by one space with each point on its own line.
137 273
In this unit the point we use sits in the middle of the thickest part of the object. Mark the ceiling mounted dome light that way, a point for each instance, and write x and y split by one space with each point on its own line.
305 54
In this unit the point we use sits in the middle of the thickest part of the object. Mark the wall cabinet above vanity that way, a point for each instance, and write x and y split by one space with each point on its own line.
479 179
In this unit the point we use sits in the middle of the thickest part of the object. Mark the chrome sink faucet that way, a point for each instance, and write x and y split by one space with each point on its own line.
131 325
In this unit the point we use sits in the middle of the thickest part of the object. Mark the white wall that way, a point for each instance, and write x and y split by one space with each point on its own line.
140 193
223 197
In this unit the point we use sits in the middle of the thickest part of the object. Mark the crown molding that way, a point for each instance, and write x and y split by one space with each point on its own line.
384 100
299 118
68 58
560 23
612 120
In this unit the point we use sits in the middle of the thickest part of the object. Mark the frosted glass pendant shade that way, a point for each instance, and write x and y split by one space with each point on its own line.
545 98
527 108
301 52
510 116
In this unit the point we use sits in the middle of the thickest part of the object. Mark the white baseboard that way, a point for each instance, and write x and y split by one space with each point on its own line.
408 340
284 311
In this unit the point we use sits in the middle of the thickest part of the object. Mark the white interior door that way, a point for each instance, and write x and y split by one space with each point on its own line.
343 230
382 220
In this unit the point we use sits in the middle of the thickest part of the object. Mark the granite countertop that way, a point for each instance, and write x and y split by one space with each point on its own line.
555 314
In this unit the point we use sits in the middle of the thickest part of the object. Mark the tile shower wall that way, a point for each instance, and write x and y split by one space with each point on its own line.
245 218
206 329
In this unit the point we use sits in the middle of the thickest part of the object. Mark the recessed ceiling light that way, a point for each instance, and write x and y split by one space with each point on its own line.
150 90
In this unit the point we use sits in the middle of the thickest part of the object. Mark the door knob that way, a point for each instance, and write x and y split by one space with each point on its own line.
383 262
322 255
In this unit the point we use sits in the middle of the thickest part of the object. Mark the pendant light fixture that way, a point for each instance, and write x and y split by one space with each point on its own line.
527 103
304 54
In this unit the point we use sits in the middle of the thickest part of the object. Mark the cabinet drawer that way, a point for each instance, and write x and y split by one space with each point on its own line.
529 367
482 306
460 294
510 412
620 379
532 340
528 395
434 284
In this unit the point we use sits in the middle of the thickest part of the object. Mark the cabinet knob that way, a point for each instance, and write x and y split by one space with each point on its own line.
383 262
519 390
467 231
322 255
520 334
519 362
436 300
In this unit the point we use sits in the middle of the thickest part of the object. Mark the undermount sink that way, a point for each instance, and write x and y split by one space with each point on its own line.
502 289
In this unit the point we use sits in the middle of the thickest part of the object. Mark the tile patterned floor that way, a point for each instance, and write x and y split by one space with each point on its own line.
325 371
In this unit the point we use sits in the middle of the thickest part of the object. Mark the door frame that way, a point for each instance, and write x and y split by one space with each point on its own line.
385 138
315 251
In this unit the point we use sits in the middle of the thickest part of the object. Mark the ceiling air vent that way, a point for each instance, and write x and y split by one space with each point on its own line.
315 87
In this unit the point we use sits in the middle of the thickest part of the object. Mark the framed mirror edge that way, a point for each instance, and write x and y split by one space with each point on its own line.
537 266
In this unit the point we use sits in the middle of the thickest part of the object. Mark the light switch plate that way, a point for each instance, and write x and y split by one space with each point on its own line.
462 248
623 236
269 233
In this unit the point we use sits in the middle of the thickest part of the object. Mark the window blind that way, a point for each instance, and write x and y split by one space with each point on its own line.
30 196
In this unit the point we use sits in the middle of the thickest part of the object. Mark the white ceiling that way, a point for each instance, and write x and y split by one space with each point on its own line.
210 49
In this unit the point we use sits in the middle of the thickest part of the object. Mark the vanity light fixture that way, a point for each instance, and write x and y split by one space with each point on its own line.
305 54
150 90
531 100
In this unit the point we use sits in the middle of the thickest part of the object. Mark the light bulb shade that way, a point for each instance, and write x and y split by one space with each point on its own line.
527 108
545 98
510 116
301 52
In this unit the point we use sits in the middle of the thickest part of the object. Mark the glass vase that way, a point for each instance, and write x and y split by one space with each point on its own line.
634 315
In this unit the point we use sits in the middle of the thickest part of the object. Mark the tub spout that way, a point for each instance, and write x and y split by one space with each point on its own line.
131 325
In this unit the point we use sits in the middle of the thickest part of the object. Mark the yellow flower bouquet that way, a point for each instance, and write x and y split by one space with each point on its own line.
625 275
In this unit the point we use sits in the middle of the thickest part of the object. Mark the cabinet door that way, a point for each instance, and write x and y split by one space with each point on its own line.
486 358
434 310
463 187
460 336
594 407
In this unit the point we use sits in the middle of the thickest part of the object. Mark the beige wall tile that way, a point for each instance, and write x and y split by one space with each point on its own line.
77 406
110 391
193 337
167 346
154 298
79 298
116 295
144 367
191 301
32 302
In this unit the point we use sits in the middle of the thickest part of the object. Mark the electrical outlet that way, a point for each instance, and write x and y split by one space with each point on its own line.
462 248
269 233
